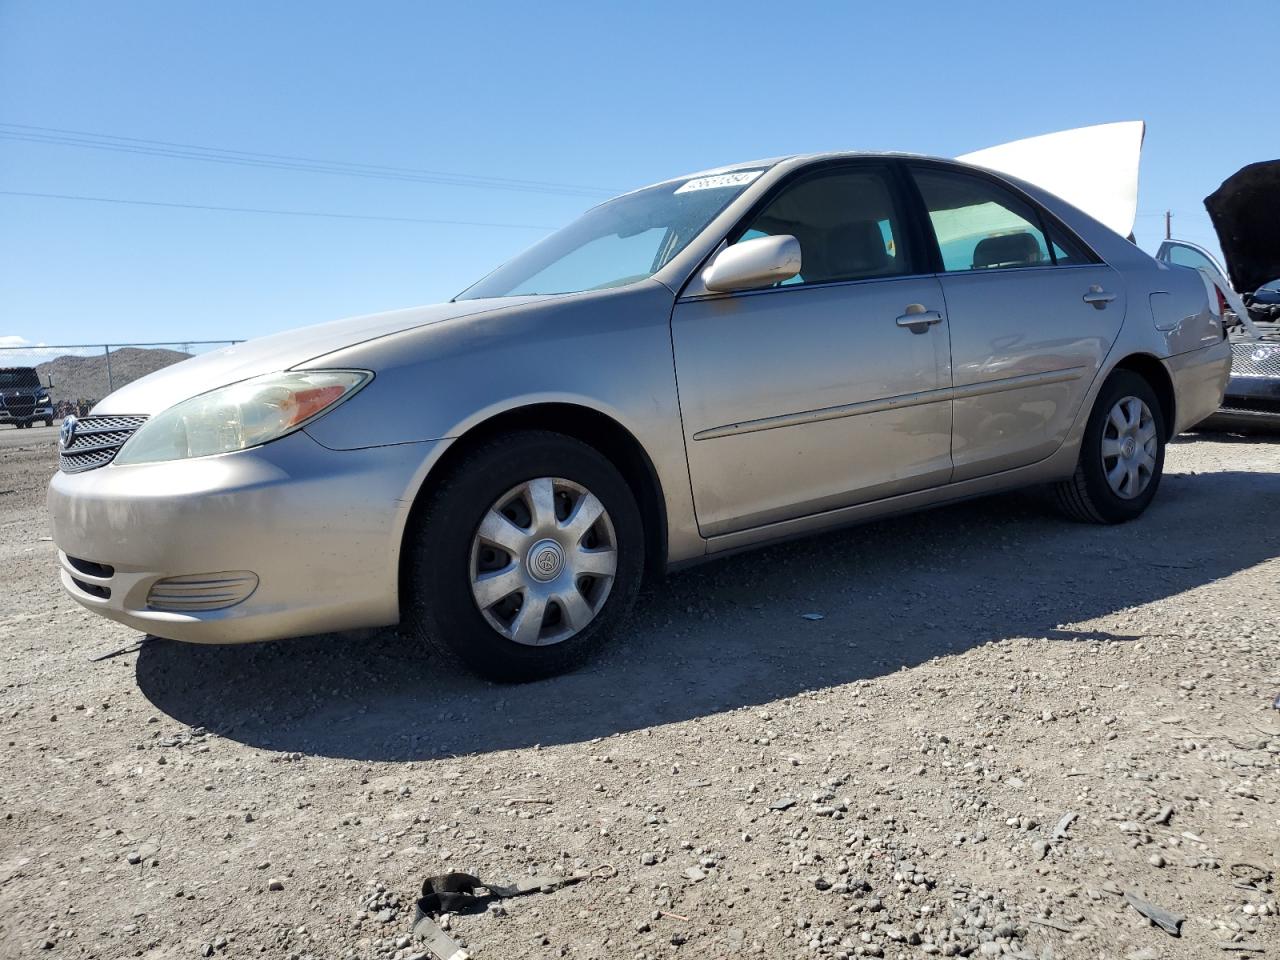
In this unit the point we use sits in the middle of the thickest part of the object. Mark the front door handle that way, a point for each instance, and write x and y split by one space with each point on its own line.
918 319
1098 297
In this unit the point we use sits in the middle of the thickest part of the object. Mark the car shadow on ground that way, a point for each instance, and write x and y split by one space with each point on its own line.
733 633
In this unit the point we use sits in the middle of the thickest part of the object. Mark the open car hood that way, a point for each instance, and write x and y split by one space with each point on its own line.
1245 212
1092 168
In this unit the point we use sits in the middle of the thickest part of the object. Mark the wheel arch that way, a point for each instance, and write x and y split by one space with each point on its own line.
597 430
1151 369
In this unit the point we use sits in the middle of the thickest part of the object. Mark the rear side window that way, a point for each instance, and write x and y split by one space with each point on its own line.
981 226
847 222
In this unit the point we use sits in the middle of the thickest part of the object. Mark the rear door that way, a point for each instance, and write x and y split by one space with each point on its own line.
1032 314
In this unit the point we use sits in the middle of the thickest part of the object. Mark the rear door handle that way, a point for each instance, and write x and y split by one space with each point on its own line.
1098 297
917 319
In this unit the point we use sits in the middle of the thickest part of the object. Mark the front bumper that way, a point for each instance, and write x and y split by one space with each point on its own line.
319 529
39 413
1249 401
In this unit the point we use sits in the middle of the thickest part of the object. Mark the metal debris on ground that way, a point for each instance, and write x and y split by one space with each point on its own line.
121 651
449 893
1053 924
1170 923
1248 876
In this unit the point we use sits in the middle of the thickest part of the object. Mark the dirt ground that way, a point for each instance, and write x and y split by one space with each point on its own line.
1001 730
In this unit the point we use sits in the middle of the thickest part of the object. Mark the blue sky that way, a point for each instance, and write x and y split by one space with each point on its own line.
606 96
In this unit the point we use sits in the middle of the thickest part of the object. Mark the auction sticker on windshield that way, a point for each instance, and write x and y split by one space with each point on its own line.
738 179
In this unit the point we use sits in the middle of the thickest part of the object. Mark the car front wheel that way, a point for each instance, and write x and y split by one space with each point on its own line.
1121 455
526 557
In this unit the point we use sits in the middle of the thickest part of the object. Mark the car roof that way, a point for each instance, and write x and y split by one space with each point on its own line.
793 159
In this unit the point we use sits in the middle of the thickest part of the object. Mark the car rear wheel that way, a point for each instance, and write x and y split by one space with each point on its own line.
1121 456
526 557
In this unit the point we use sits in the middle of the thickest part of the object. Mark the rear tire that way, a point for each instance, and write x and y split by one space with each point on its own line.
556 594
1121 455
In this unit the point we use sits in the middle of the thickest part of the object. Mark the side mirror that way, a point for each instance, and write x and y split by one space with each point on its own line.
753 263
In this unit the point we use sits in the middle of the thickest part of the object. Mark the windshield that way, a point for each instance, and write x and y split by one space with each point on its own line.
19 378
619 242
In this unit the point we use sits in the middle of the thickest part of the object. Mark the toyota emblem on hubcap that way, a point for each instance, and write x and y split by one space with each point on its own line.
67 434
546 560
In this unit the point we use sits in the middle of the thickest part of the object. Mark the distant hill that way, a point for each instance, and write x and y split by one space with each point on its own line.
85 378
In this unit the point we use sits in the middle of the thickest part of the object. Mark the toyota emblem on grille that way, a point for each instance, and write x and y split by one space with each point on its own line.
67 435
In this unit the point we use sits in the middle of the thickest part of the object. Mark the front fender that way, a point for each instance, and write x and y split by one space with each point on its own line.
606 351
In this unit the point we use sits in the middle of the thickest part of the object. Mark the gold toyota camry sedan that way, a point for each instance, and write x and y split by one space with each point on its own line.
706 364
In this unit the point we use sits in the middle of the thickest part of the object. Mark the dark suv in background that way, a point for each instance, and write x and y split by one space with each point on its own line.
24 400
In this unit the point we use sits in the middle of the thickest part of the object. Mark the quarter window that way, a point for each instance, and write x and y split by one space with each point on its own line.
981 226
846 221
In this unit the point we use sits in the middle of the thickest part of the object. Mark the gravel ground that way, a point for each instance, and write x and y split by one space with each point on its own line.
1002 727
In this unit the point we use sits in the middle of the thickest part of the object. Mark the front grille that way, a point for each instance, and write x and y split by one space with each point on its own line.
20 407
1252 359
93 589
96 442
103 571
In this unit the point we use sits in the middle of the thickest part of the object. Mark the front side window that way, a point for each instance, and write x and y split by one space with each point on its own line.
846 221
981 226
621 241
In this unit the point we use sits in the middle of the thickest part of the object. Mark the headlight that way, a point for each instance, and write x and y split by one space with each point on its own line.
243 415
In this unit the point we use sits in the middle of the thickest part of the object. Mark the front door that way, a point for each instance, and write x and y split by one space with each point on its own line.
828 389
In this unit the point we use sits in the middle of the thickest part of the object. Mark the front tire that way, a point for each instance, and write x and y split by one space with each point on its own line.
526 557
1121 455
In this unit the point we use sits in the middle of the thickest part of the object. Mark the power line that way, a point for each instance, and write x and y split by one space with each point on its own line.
29 133
282 213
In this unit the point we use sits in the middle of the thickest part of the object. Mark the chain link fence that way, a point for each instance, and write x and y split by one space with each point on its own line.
81 374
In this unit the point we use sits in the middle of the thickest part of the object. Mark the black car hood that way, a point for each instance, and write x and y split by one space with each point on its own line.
1245 212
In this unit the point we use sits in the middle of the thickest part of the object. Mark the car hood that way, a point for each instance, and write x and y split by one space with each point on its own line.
280 351
1245 211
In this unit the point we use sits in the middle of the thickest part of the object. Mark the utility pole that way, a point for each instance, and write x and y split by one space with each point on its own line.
1168 224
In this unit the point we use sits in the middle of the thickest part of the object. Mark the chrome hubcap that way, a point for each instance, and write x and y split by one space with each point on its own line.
543 561
1129 448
